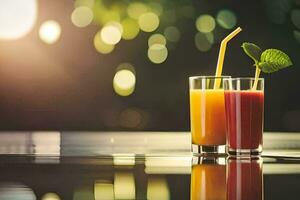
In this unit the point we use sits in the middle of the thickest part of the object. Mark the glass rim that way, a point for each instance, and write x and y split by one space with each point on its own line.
209 77
245 78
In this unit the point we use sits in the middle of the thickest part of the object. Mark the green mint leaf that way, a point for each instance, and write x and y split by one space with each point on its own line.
272 60
252 50
268 67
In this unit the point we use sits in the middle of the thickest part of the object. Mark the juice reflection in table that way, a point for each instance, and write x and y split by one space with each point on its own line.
244 178
208 178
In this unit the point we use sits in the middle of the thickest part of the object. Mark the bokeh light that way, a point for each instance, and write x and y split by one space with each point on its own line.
84 193
130 29
156 8
50 31
157 39
130 118
124 185
16 191
126 66
82 16
103 190
205 23
148 22
210 37
126 160
17 18
204 41
103 15
295 17
226 19
136 9
172 33
157 53
50 196
46 143
124 82
86 3
158 188
112 33
118 6
101 46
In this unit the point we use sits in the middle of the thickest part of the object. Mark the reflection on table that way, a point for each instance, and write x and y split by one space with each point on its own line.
244 179
208 179
103 178
139 165
153 178
235 179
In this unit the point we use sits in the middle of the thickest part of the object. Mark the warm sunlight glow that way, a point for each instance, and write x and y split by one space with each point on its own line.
17 18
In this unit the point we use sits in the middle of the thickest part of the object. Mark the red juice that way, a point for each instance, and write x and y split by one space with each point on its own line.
244 179
244 115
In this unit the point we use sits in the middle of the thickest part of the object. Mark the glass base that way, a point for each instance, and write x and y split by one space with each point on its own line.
244 152
196 160
216 150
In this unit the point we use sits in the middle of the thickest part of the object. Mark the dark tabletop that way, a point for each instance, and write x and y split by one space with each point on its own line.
141 165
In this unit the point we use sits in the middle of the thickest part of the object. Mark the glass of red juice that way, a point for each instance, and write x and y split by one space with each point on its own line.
244 108
244 178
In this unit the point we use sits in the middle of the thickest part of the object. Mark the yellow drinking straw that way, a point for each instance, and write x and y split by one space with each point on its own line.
222 55
257 73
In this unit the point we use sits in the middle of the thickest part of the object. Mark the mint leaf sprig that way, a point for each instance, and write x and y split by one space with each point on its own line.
267 61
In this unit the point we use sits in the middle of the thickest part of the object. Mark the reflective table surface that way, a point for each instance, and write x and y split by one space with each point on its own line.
141 165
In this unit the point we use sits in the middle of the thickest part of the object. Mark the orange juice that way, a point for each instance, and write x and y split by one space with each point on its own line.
207 109
208 181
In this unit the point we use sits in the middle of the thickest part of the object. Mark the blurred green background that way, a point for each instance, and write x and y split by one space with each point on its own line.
124 65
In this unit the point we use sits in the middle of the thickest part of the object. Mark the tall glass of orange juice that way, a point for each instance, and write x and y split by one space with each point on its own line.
207 114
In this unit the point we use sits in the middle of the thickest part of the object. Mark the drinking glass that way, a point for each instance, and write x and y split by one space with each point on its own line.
244 103
207 114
